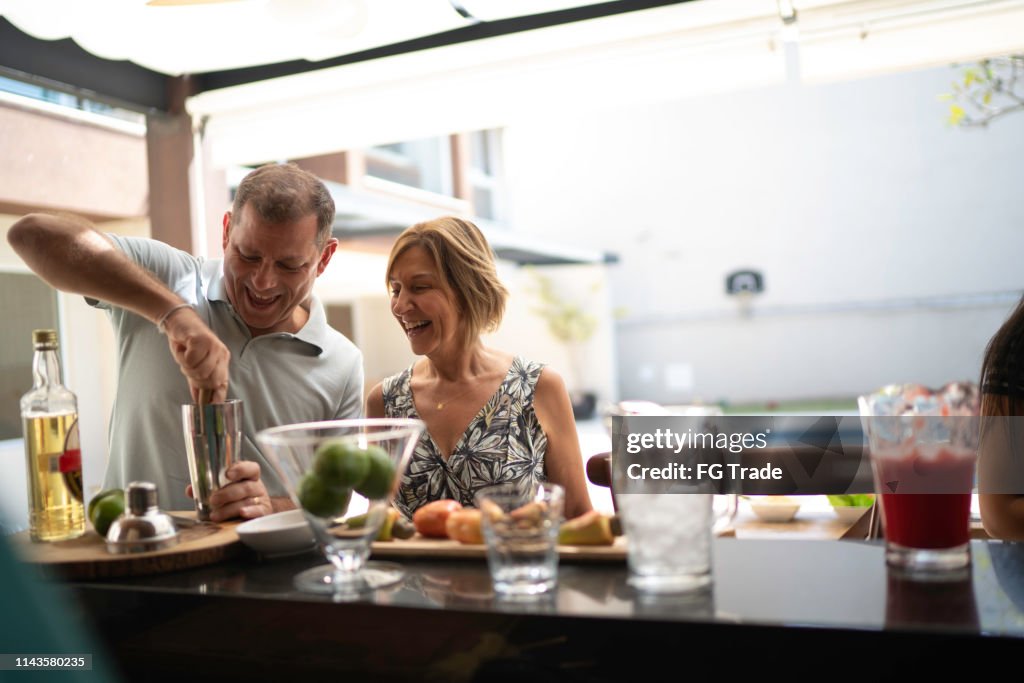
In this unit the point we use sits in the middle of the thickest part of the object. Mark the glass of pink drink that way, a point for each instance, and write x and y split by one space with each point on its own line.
923 447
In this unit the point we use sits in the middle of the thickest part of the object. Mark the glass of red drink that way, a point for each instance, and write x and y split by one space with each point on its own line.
923 446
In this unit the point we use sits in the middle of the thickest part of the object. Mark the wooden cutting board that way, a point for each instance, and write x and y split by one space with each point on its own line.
421 548
86 557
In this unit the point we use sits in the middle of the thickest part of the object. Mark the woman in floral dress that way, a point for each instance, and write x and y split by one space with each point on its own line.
491 417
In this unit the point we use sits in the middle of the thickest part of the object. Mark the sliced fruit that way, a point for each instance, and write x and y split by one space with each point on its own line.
590 528
531 513
403 528
492 510
465 526
389 522
394 526
356 521
615 522
430 519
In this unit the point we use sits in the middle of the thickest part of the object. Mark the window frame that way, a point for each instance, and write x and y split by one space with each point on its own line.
463 178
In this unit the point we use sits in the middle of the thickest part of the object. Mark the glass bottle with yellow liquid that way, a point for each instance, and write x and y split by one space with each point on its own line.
49 418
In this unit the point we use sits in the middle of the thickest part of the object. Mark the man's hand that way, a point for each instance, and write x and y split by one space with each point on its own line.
200 354
244 497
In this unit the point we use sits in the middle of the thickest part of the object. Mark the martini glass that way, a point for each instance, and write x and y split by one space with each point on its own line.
293 449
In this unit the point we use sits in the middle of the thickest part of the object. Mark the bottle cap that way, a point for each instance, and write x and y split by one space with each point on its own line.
44 338
142 527
141 497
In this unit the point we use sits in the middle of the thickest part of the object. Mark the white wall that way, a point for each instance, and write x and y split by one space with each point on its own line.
590 366
90 370
845 196
385 348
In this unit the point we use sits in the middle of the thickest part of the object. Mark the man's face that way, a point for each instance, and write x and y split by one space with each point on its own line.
269 269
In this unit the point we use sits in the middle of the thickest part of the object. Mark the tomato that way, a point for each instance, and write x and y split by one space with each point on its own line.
430 519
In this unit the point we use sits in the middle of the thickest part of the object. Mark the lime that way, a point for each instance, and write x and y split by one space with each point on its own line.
341 463
98 497
104 508
320 499
381 477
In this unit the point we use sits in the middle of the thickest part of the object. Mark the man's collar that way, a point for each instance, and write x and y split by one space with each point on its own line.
315 330
213 272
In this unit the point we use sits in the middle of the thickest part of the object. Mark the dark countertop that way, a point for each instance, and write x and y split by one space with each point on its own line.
830 597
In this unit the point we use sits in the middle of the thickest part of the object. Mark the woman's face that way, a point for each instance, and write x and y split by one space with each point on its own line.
422 304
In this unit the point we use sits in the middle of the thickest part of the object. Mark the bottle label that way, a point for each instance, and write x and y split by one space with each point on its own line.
70 462
56 510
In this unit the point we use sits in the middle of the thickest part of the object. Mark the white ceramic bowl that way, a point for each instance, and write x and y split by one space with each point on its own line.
774 508
849 513
281 533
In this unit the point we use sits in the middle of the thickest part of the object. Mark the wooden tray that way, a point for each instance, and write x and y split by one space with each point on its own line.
86 557
421 548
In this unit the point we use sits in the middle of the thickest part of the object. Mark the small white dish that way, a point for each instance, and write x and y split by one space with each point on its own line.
281 533
774 508
849 514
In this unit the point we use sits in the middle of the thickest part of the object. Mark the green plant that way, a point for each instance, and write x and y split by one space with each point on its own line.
857 500
567 320
987 90
570 323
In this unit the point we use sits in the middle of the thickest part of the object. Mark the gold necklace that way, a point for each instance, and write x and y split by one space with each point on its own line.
441 404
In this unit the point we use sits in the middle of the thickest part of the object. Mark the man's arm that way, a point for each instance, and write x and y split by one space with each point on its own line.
72 256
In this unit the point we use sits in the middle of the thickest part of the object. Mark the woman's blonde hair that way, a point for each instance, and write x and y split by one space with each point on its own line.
461 254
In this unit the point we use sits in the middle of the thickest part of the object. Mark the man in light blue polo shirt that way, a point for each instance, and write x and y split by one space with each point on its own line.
243 327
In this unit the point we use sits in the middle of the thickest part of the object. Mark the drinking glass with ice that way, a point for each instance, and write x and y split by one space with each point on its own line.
923 448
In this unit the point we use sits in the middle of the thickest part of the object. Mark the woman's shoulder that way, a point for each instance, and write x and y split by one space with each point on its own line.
536 381
375 401
397 383
525 366
551 401
549 384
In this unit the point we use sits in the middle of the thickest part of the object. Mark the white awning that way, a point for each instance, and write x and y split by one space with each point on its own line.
218 35
658 54
666 53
